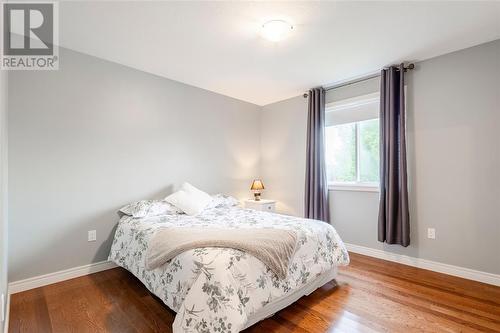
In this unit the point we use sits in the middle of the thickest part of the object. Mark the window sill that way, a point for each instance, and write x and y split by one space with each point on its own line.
353 187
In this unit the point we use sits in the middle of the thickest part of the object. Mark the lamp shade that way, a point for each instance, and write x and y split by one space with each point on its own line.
257 185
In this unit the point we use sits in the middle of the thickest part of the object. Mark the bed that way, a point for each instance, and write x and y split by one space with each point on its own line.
223 289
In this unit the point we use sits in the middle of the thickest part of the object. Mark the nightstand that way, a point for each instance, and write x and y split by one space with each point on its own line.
263 205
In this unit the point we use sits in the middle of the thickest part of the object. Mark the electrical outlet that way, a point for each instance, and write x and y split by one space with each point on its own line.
92 236
431 233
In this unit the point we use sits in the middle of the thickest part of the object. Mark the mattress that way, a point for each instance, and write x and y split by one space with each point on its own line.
223 289
287 299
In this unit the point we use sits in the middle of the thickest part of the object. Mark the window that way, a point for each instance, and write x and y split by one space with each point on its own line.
352 143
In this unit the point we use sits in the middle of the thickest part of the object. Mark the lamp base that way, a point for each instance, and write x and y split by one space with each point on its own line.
256 196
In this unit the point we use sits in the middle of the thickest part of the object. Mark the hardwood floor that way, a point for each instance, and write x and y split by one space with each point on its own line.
372 296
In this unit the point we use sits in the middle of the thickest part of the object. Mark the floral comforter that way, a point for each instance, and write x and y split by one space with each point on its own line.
217 289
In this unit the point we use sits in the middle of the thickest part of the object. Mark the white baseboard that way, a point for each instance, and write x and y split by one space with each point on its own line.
466 273
43 280
7 315
462 272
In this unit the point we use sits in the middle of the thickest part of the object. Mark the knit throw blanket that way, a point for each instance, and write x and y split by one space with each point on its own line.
273 247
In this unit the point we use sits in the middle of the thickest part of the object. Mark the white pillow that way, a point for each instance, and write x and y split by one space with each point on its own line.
189 199
186 187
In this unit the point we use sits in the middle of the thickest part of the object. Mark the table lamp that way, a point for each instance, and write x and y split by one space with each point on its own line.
257 187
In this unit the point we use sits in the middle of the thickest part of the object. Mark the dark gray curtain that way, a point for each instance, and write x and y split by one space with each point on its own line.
394 217
316 194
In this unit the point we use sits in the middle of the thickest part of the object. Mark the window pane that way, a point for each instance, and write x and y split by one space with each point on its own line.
341 152
369 150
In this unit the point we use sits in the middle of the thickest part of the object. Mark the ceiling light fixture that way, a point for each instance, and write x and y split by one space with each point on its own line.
276 30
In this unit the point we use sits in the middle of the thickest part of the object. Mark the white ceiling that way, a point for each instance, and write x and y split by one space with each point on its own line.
217 46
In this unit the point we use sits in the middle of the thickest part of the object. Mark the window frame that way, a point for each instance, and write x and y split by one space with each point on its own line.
357 185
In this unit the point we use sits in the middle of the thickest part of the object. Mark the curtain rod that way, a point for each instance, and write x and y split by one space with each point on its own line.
364 78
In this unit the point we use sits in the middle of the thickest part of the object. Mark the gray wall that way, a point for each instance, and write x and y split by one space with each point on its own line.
96 135
3 186
283 147
454 161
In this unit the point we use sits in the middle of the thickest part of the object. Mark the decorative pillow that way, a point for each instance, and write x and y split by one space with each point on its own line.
189 199
186 187
146 208
222 200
